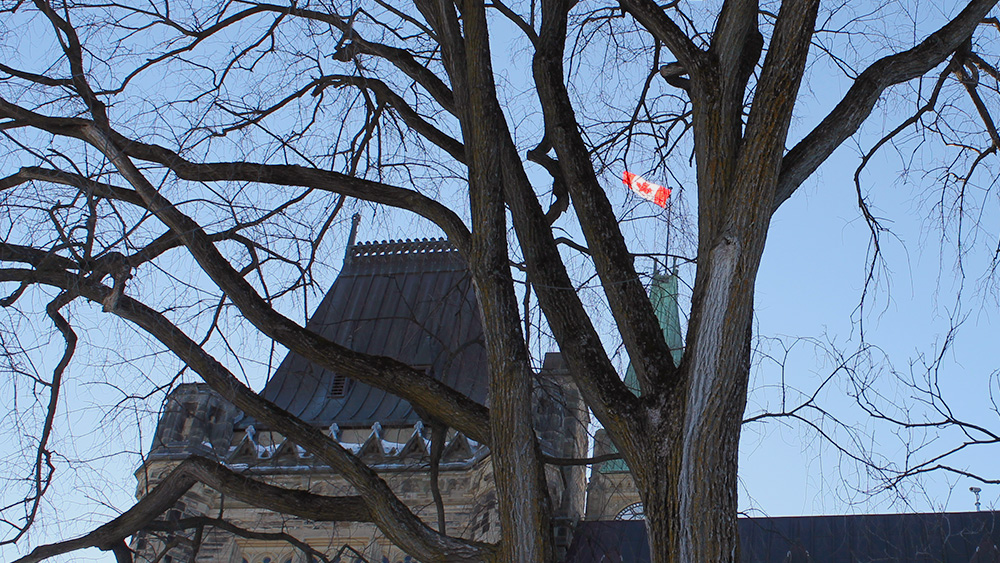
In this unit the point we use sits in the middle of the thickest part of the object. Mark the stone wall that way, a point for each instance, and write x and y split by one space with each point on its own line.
465 482
197 421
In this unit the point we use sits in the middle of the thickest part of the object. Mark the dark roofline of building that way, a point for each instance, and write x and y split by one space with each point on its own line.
960 537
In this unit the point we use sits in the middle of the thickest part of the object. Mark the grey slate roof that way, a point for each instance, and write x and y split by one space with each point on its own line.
409 300
957 537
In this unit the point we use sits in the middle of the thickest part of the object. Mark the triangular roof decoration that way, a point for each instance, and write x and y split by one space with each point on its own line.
416 448
372 449
287 452
458 449
244 451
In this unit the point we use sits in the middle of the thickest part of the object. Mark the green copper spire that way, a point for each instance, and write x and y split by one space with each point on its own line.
663 295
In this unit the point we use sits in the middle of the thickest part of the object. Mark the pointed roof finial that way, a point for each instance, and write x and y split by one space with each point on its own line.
351 238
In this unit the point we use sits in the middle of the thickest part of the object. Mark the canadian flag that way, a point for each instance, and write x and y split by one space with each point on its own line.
653 192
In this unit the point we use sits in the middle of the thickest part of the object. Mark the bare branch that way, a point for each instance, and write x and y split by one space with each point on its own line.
409 116
800 162
200 470
99 189
280 174
43 469
516 19
569 462
355 45
655 19
36 78
73 49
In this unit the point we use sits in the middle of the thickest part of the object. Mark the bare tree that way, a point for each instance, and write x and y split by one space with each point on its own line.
233 133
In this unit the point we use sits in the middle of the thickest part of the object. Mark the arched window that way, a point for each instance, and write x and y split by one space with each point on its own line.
631 512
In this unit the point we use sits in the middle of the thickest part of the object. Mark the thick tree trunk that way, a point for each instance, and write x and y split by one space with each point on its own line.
522 497
695 523
690 493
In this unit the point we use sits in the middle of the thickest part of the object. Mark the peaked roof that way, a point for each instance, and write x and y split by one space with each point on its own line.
409 300
957 537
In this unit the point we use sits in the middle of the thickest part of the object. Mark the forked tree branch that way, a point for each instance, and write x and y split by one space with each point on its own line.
800 162
73 49
627 298
655 19
736 25
774 100
572 328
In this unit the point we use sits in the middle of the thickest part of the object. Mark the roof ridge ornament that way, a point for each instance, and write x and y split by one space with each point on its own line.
376 249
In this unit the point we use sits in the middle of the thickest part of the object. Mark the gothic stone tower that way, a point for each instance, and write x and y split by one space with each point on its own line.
412 301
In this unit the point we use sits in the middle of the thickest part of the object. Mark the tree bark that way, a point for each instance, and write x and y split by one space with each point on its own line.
522 496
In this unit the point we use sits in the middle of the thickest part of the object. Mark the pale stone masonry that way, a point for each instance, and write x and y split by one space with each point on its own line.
197 421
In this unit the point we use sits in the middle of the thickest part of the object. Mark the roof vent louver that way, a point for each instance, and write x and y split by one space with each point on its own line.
338 386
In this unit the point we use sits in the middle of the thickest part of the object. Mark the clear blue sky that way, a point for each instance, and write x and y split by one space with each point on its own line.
810 286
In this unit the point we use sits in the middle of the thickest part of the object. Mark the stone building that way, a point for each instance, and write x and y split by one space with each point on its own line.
414 301
411 300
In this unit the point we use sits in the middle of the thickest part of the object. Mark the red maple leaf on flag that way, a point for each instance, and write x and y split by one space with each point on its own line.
647 190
